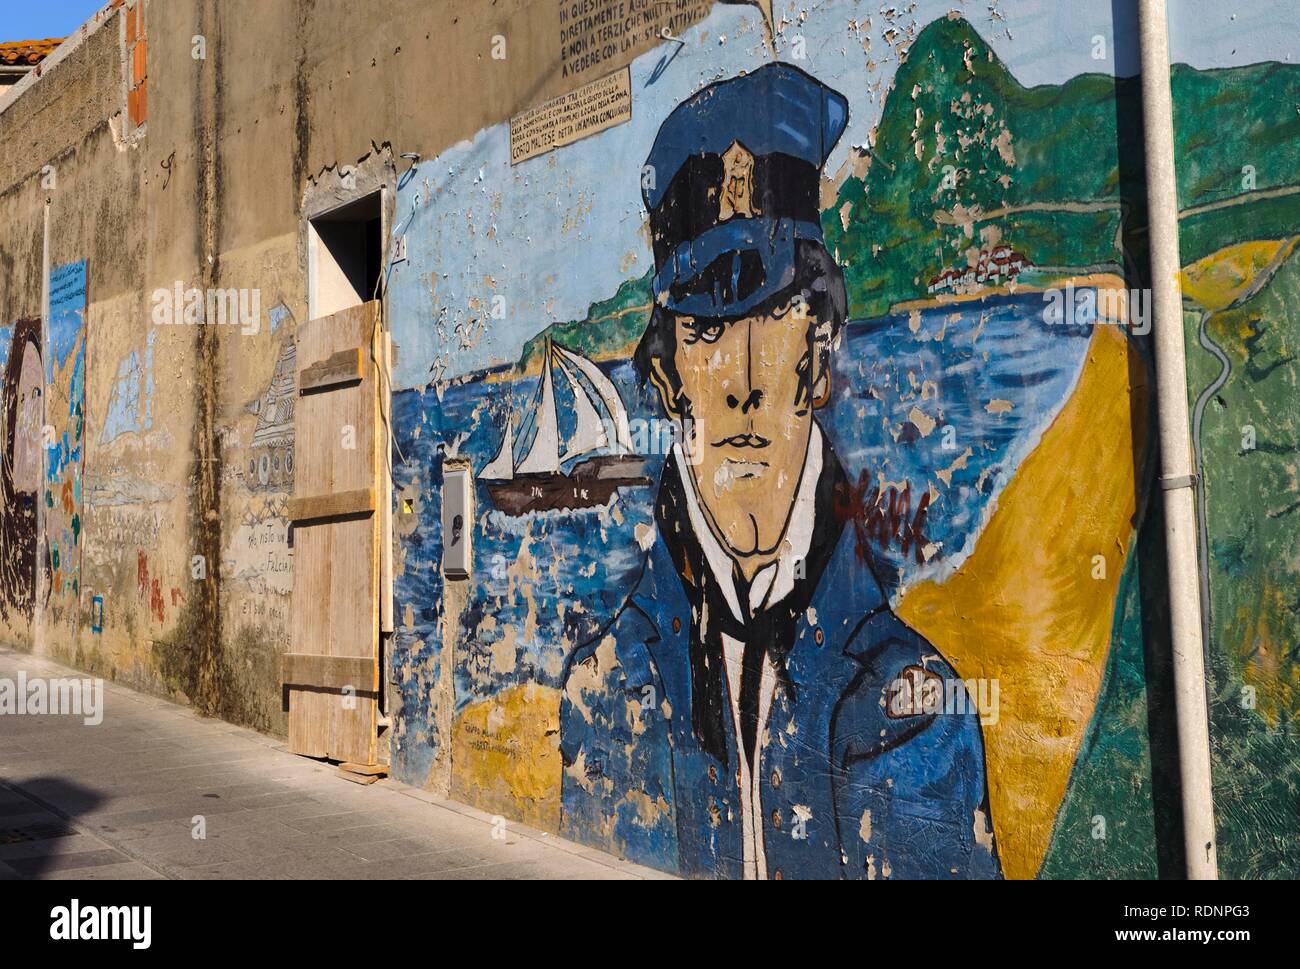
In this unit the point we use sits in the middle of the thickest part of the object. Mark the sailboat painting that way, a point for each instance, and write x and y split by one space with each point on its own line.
537 481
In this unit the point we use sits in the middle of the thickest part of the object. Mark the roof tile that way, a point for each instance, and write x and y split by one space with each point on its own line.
27 53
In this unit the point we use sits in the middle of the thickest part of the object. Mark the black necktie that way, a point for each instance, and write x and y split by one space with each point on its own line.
768 633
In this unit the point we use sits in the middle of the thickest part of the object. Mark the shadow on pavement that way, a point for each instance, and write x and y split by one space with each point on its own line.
31 829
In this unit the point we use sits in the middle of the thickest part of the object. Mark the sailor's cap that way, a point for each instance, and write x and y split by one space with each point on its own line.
732 184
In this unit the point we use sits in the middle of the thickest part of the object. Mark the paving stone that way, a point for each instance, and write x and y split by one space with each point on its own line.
59 845
98 858
117 802
127 871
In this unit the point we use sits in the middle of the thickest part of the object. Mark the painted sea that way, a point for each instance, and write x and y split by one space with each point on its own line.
941 404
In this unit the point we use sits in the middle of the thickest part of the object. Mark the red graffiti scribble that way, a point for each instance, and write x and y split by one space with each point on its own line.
156 605
885 519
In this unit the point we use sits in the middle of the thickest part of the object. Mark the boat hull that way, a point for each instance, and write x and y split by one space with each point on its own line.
589 485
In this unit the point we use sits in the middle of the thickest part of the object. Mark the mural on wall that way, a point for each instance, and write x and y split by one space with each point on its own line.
1239 232
257 557
132 589
756 614
65 412
125 495
270 459
130 405
21 419
810 407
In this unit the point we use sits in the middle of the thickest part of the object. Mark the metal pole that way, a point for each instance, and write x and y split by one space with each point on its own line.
1177 478
42 585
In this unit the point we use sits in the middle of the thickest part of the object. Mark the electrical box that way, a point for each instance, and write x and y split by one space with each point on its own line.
457 522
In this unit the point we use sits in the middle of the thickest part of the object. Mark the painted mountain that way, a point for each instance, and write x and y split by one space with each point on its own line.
963 150
1056 171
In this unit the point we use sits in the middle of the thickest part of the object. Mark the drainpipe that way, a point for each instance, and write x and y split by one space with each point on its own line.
1177 477
41 584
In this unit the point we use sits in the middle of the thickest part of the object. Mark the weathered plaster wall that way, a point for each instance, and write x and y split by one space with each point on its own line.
254 110
996 510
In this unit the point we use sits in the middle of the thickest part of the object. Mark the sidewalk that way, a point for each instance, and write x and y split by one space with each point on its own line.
118 800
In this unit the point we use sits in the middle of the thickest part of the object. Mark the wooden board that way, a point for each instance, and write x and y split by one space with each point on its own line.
373 770
344 367
359 502
332 670
365 779
386 625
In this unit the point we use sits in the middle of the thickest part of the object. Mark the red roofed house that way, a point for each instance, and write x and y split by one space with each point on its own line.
19 58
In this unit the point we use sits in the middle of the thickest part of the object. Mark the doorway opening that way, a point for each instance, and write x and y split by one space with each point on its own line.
346 256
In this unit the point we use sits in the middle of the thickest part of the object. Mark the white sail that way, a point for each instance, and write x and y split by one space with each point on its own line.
502 467
589 435
609 396
544 456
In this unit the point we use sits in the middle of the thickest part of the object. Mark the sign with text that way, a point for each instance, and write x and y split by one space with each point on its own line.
594 32
571 117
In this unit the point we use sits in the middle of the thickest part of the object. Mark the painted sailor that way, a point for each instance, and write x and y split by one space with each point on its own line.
753 709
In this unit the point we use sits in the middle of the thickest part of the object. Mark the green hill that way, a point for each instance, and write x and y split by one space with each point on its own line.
961 137
610 328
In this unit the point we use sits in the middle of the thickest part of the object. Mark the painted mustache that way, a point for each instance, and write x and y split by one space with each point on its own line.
743 440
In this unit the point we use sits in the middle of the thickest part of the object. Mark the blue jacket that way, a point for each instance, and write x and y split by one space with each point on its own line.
848 791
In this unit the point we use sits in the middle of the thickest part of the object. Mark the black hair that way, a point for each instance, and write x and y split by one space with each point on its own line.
818 279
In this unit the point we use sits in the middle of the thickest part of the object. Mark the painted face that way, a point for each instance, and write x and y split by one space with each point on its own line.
748 383
27 432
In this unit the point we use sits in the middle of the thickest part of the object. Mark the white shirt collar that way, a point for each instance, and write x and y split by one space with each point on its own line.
776 580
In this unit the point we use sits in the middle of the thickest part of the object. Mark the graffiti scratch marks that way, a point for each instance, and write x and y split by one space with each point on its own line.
270 461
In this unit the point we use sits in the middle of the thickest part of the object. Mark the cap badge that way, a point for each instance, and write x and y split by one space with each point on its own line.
737 194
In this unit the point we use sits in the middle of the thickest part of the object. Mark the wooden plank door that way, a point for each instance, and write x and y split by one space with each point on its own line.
332 671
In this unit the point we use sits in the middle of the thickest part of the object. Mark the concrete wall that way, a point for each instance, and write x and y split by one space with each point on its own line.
253 111
982 515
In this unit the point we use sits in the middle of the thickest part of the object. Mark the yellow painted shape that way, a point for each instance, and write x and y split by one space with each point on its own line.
1025 607
506 755
1217 280
1262 652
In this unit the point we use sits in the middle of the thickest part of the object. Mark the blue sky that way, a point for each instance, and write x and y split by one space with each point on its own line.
23 20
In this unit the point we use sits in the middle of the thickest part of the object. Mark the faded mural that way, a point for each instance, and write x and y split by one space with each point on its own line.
1239 228
64 440
809 402
21 419
42 429
803 371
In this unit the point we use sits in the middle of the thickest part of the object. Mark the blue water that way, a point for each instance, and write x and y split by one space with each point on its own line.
554 579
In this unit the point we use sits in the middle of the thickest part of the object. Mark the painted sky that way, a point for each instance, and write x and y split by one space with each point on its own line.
558 232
